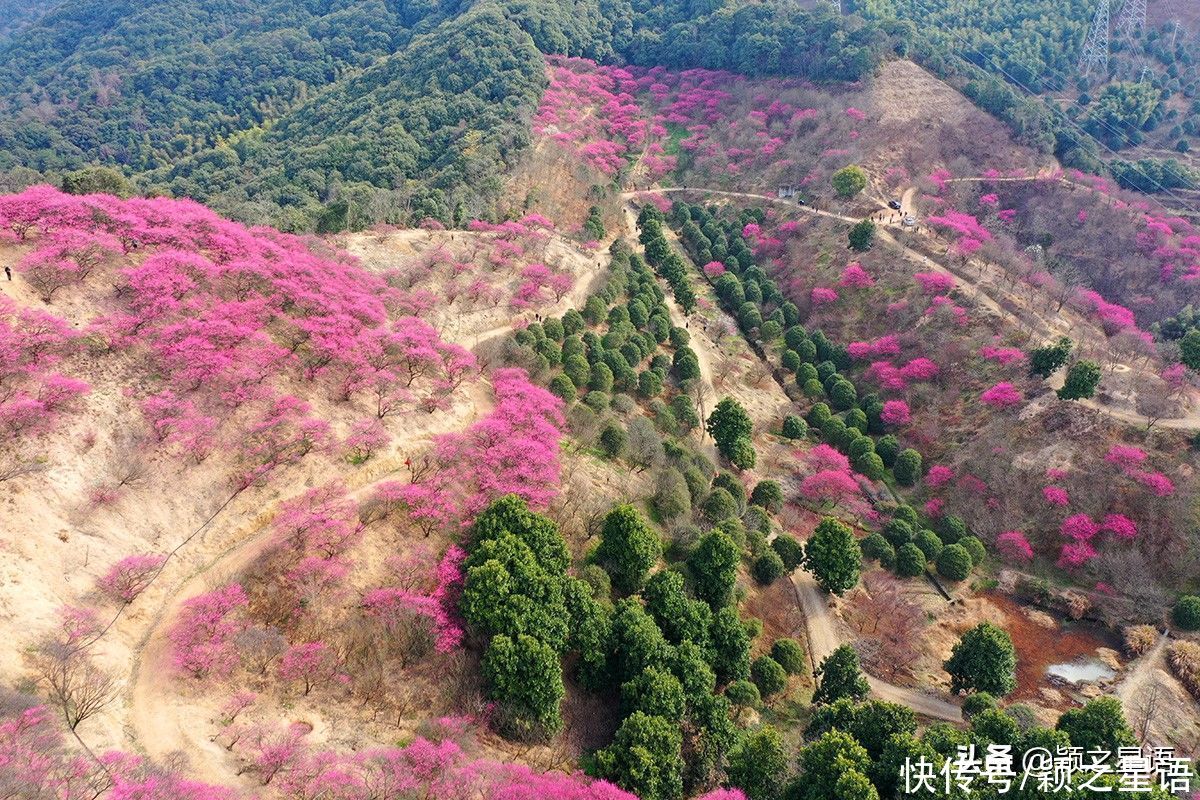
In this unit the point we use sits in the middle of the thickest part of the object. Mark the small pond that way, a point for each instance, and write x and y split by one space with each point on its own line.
1083 670
1065 652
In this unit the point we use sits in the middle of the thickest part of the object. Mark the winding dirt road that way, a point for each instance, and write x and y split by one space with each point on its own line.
161 719
1189 422
820 625
823 639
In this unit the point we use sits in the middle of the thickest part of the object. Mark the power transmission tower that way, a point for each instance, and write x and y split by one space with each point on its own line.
1095 49
1131 19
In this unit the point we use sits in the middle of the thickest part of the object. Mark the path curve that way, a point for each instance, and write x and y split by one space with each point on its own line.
823 639
1190 422
161 720
820 627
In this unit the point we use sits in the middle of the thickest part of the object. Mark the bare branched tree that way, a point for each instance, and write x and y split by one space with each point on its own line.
71 679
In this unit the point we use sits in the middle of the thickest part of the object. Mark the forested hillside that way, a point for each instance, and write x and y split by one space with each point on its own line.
386 112
16 14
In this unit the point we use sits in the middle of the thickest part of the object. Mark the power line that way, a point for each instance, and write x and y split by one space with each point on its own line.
1131 20
1065 117
1095 49
1125 139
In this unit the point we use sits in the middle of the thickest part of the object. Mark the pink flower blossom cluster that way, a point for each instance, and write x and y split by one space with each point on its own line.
1001 395
514 450
938 475
1056 496
934 283
888 345
1014 546
896 413
1002 355
1129 460
855 277
823 296
202 638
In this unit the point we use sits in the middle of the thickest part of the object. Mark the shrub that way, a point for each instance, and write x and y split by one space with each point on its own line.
842 394
794 427
730 483
952 529
742 454
954 562
768 568
758 765
1082 379
628 548
977 703
849 181
790 360
597 401
887 448
1184 660
597 579
790 655
974 548
789 550
563 388
767 494
1139 639
768 676
862 236
833 557
612 439
719 505
671 496
930 544
758 520
910 561
819 414
898 532
1186 613
839 676
983 660
907 467
877 547
743 693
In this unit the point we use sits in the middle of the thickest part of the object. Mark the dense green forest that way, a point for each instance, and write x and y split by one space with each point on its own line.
16 14
325 114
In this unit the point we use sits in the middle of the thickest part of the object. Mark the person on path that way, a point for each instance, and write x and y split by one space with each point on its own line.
8 272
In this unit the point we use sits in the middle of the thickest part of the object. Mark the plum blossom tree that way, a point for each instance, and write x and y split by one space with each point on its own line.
1001 395
308 663
823 296
1120 526
514 450
1056 496
1014 546
202 638
130 576
895 413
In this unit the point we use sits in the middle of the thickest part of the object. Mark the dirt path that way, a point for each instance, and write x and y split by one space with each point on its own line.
161 719
821 628
823 639
972 285
1136 678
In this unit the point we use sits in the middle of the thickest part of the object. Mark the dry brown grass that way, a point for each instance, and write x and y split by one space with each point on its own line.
1184 658
1139 638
